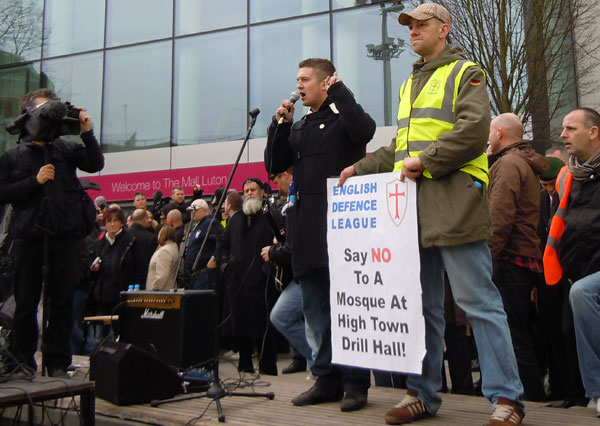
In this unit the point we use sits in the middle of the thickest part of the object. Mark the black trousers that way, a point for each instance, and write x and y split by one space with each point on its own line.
558 336
458 354
29 257
515 284
266 351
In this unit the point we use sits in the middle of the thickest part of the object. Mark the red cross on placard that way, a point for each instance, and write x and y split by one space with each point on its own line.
396 195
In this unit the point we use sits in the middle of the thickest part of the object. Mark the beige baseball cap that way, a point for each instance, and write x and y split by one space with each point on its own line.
426 11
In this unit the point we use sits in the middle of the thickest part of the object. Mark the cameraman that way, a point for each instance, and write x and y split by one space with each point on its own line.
39 180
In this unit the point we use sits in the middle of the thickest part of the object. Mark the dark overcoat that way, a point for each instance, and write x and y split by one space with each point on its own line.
247 281
319 146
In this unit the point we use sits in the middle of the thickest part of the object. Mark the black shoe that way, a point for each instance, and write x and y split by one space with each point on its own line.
571 402
316 395
59 373
296 366
354 400
555 396
268 371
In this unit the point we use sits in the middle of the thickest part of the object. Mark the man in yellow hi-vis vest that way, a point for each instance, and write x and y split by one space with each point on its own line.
443 126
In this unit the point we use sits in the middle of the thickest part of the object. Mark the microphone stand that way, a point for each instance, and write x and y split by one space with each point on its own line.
216 391
254 113
46 257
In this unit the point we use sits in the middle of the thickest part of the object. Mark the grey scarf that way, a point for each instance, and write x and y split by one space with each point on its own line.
583 171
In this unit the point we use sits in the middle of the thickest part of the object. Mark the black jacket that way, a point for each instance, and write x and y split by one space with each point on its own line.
122 265
185 214
547 211
281 254
247 280
579 247
196 238
183 207
147 241
57 204
319 146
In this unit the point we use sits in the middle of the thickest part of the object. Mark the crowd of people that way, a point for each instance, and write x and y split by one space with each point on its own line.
506 239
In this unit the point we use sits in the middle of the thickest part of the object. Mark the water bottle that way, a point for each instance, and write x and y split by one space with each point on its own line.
136 287
292 194
130 288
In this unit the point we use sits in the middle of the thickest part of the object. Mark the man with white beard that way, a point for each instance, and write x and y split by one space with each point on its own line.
253 197
248 286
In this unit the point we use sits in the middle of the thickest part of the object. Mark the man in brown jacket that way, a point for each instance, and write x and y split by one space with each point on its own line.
515 211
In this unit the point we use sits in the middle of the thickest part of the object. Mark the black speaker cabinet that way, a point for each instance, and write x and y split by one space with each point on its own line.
125 374
178 326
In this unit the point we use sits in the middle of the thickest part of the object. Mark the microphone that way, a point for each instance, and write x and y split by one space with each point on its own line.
294 96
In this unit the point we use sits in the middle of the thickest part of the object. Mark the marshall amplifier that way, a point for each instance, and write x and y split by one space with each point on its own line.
178 326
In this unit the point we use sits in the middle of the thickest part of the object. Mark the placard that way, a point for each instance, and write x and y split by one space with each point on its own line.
376 310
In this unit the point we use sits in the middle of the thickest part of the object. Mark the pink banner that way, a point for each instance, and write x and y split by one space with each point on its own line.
121 187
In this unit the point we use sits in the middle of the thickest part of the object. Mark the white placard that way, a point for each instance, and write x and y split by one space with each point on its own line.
376 310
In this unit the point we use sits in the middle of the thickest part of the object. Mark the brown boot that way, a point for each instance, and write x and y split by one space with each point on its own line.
506 413
409 409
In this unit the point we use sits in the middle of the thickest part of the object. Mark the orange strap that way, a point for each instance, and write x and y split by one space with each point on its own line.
553 271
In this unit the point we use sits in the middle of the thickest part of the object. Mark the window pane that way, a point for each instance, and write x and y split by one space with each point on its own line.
361 61
210 96
137 97
338 4
14 83
273 71
78 80
21 29
73 26
266 10
133 21
194 16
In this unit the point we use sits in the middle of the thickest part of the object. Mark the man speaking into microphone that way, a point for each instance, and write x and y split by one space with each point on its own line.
331 136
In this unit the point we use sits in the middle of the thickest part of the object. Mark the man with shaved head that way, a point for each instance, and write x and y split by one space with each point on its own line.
144 235
515 210
175 219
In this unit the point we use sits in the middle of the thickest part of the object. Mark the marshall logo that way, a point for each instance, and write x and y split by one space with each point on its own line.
152 314
396 200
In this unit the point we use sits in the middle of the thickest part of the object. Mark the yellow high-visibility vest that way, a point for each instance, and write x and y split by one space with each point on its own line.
431 115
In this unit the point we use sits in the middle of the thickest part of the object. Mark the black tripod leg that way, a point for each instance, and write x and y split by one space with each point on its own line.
157 402
269 395
220 410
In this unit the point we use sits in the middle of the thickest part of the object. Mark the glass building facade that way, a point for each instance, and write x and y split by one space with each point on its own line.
160 75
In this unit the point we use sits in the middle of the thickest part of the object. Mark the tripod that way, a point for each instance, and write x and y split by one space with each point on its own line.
216 391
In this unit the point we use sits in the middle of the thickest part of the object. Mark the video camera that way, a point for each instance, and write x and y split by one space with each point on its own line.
46 122
158 203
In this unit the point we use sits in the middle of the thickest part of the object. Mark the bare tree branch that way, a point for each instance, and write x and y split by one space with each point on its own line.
20 26
526 48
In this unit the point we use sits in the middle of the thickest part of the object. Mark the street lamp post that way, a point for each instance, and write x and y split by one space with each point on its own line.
389 48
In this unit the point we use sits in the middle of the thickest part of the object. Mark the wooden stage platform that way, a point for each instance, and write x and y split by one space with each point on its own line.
456 409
